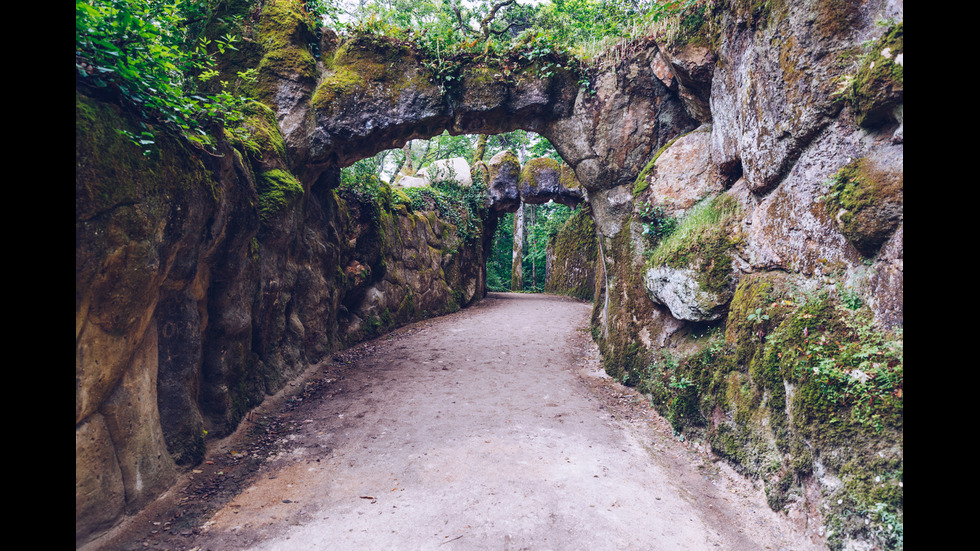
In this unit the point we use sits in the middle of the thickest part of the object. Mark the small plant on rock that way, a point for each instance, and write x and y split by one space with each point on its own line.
657 224
758 320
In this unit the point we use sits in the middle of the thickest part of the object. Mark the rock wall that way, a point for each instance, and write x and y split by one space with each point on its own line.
199 293
570 261
750 280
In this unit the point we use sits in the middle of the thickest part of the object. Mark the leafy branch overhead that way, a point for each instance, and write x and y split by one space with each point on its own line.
485 24
156 57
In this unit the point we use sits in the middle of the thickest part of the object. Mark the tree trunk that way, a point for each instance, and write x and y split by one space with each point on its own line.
517 264
530 221
478 164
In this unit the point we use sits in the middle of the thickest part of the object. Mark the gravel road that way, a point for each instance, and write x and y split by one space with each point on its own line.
492 428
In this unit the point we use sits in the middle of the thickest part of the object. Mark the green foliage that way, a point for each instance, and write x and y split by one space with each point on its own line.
589 27
543 223
446 146
673 388
849 367
368 191
758 320
462 206
362 171
326 11
499 261
547 220
142 51
657 224
508 37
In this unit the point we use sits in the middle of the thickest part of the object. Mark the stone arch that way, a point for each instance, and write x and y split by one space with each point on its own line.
373 95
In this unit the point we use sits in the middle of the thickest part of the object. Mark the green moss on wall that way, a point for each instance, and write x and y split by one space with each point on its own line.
365 62
531 169
879 84
798 386
573 253
866 203
277 190
703 241
257 134
284 33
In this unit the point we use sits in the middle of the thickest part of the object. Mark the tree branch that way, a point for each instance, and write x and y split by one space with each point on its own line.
485 24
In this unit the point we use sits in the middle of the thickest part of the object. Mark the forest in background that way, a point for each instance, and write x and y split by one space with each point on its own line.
541 222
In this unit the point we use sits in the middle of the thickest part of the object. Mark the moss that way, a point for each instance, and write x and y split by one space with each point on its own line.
567 178
406 310
534 167
628 310
642 179
258 134
703 241
277 189
483 86
284 32
128 208
879 85
625 362
866 203
366 62
809 380
573 253
112 170
341 82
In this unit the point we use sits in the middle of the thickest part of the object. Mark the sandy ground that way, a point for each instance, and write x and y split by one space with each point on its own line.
491 428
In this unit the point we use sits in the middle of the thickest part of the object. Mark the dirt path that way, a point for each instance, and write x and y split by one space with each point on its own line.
492 428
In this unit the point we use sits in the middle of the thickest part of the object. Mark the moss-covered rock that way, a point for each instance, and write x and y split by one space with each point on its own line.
285 33
878 87
372 65
803 393
257 135
867 203
571 258
504 178
140 231
540 180
277 189
690 270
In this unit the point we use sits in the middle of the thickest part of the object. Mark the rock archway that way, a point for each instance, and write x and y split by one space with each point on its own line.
375 95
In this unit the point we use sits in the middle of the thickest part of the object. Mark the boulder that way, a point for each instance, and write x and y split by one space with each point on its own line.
455 170
412 181
680 291
505 174
570 190
540 181
681 174
688 70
